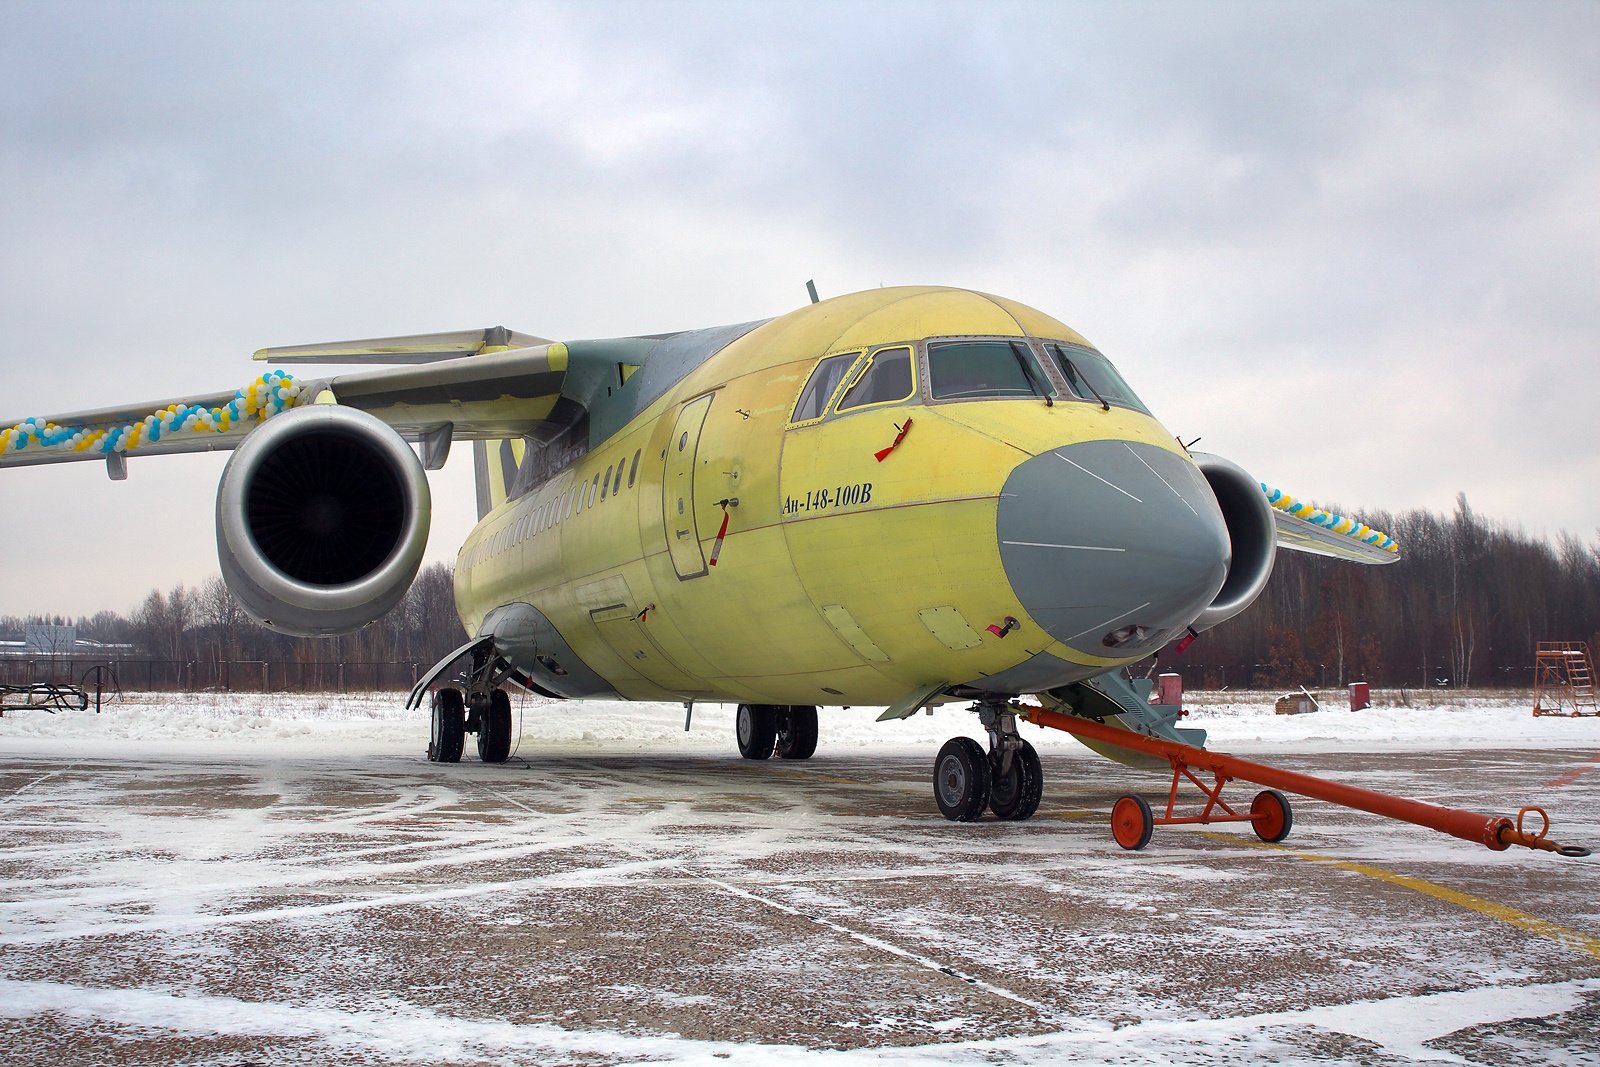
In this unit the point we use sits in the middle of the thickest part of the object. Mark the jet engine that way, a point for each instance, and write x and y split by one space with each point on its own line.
322 518
1251 530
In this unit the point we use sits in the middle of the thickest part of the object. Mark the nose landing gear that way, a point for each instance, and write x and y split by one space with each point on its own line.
1007 780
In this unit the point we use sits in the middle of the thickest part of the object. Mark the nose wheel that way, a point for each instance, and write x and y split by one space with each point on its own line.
1007 780
961 780
1014 793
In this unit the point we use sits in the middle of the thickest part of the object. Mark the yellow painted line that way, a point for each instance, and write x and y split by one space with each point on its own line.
828 779
1070 815
1572 939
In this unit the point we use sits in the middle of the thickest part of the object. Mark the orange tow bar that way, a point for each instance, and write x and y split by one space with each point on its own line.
1132 821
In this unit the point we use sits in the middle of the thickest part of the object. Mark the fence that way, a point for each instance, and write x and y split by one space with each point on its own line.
141 674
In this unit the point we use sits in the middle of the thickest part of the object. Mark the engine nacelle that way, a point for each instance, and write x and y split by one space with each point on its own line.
322 519
1252 532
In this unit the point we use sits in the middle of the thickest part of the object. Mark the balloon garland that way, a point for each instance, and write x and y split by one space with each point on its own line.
263 398
1328 520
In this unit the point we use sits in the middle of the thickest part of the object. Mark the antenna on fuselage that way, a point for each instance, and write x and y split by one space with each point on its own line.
811 287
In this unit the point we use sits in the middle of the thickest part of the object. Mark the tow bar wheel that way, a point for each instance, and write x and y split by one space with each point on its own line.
1132 822
1271 816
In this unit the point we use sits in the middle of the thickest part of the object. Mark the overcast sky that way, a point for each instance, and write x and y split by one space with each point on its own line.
1353 246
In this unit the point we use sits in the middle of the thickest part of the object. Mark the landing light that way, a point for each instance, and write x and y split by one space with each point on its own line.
1125 635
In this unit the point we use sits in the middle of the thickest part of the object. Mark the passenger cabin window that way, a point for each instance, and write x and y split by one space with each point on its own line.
819 389
971 370
886 380
1092 377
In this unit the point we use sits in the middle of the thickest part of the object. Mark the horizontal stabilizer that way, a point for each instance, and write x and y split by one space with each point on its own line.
415 348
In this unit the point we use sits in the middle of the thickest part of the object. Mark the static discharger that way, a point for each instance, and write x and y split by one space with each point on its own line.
1132 820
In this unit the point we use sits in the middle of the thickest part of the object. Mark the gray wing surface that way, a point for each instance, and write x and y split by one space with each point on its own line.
487 393
1302 536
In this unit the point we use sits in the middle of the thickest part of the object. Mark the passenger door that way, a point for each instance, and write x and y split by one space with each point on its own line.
677 490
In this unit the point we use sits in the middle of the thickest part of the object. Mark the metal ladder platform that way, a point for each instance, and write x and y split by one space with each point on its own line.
1563 679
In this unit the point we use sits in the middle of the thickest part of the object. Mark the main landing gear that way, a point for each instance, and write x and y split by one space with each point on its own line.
483 708
1006 780
454 716
790 730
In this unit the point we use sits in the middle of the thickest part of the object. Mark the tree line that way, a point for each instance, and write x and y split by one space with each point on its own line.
206 624
1464 606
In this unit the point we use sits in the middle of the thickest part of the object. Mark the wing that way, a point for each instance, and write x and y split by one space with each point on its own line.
490 392
1307 528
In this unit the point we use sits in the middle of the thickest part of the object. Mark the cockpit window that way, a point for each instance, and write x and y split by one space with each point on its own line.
819 389
887 379
1092 377
976 369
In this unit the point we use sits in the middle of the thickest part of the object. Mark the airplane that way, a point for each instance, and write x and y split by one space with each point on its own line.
900 497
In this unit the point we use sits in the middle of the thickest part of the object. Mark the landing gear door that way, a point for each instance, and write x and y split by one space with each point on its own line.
677 490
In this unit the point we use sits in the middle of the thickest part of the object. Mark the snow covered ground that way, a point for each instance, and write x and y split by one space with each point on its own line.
298 723
279 878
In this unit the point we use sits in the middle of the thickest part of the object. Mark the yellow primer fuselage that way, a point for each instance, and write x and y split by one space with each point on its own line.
842 578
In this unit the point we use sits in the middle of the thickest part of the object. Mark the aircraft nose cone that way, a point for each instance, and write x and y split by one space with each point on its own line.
1114 547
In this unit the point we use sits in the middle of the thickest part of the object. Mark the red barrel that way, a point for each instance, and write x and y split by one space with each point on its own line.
1360 696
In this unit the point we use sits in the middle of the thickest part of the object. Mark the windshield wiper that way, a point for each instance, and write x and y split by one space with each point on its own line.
1073 373
1024 360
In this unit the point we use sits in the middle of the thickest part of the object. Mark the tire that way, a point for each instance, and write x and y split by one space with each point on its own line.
494 734
961 780
756 727
448 732
1271 816
797 732
1132 822
1015 796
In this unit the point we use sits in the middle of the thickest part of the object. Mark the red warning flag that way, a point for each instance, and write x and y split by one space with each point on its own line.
883 454
722 533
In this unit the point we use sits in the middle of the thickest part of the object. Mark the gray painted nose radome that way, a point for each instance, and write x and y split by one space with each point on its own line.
1114 547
